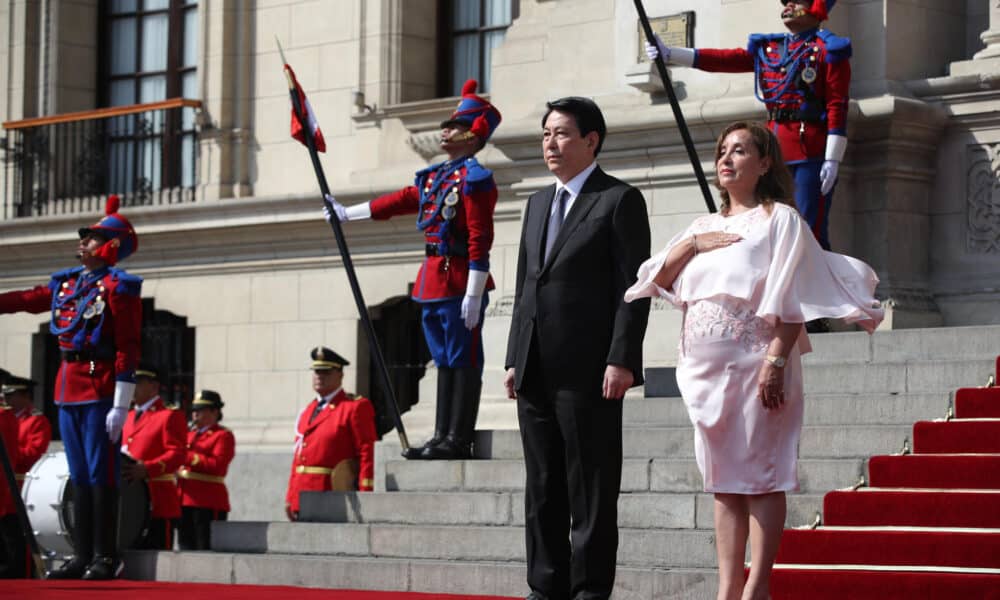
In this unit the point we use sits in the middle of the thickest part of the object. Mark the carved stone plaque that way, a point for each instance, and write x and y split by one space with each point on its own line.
983 196
674 30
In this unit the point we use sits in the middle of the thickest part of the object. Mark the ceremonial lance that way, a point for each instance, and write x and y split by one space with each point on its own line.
678 115
308 134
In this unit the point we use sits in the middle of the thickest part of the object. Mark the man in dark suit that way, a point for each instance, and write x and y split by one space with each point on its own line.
575 347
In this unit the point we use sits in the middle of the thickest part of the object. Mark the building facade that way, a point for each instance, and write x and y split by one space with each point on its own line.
242 275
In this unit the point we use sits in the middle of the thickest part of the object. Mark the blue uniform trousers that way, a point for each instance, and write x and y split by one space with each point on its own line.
93 459
450 343
812 204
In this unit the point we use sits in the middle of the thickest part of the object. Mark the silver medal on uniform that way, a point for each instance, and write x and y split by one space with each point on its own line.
450 201
809 75
93 309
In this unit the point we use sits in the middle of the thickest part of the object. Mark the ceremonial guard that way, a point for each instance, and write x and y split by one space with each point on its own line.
202 479
96 314
154 438
334 436
454 202
13 549
803 77
34 433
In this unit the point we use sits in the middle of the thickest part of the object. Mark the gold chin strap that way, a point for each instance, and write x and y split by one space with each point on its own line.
797 12
461 137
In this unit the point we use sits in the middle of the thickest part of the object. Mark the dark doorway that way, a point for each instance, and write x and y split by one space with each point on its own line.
401 338
167 342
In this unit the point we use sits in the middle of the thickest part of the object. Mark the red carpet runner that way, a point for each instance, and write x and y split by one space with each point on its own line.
928 527
155 590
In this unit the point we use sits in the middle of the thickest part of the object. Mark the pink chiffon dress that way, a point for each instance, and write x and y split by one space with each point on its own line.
732 298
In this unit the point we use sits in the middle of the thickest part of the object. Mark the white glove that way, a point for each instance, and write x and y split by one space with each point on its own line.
115 418
338 209
672 55
828 175
658 50
836 146
472 303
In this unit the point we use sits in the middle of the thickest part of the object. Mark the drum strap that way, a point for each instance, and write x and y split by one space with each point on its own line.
185 473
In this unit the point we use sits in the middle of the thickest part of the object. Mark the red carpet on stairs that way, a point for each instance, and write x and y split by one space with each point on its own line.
952 437
26 589
960 471
948 548
815 584
928 527
977 403
914 508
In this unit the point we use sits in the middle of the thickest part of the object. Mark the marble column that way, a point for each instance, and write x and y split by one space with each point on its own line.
991 37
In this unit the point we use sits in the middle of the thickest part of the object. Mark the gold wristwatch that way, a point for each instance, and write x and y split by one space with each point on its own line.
778 361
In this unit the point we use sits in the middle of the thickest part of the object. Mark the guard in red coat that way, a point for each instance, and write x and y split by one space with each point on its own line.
13 547
96 313
34 433
803 77
33 436
454 202
202 479
334 436
154 436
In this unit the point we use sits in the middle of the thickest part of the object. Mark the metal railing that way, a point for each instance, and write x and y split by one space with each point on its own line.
63 164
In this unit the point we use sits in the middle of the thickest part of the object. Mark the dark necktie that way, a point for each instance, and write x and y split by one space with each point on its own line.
556 221
138 415
318 409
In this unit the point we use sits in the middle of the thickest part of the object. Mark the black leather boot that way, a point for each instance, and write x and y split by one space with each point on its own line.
457 445
442 415
81 534
105 564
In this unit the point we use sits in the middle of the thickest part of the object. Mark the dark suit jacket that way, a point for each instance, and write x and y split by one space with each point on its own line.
573 306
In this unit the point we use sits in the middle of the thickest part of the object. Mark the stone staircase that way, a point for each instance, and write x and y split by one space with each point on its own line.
457 526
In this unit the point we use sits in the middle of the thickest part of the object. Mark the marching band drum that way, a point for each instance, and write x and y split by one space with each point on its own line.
48 498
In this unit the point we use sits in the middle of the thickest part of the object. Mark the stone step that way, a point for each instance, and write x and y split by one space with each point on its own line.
636 511
903 345
922 377
910 377
671 475
664 548
404 575
817 441
820 409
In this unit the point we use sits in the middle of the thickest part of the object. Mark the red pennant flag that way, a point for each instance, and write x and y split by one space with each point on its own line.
298 128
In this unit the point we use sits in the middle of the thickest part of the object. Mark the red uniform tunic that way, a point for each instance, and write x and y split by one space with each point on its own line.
339 442
157 441
33 437
8 435
468 234
96 315
821 94
202 478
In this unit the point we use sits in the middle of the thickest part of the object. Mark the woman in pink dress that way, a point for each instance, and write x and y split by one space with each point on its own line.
747 278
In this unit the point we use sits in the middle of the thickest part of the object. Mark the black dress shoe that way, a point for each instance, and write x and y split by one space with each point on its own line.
536 596
103 567
73 569
418 452
448 449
